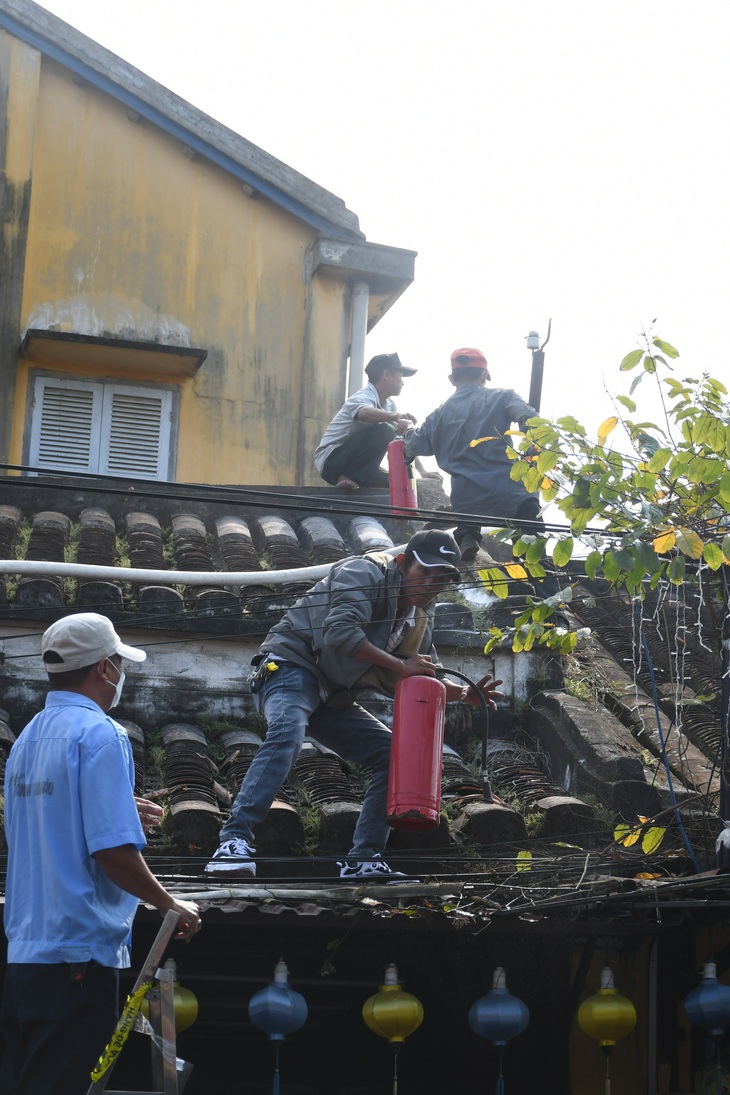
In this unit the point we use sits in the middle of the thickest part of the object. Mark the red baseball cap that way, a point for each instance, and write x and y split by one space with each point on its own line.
468 358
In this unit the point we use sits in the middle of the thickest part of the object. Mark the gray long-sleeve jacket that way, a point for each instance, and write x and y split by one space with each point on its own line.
480 481
358 600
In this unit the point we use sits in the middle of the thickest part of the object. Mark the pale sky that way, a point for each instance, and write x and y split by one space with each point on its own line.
564 159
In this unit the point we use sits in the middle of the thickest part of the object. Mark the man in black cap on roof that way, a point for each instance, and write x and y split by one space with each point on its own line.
354 444
367 624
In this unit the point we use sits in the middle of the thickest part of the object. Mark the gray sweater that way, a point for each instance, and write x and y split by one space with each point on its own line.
357 601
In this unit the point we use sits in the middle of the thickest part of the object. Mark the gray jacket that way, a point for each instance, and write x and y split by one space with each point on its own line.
357 600
480 479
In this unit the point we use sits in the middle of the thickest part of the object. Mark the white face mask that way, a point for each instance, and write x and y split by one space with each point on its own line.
117 687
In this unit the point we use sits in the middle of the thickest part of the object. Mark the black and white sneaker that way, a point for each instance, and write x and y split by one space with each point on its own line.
371 870
235 856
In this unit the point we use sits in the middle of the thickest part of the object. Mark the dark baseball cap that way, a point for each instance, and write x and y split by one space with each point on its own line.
377 365
432 548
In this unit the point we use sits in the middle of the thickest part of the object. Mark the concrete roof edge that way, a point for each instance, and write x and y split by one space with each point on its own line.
113 72
383 266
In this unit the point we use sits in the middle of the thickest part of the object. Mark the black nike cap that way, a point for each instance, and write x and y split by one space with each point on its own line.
432 548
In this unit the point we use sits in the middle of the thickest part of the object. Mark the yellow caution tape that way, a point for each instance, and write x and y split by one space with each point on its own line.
124 1025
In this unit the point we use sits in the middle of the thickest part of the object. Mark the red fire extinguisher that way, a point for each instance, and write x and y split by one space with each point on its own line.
416 753
402 482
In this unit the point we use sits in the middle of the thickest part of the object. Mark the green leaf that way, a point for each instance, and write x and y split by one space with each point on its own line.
726 549
631 361
546 461
675 570
626 402
535 551
524 860
689 543
652 839
532 479
563 552
611 569
659 460
495 582
665 347
712 554
649 364
593 561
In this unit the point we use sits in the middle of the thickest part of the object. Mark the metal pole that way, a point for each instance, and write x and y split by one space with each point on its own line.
538 363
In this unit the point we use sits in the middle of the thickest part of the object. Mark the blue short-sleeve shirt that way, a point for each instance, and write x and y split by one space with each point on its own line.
69 792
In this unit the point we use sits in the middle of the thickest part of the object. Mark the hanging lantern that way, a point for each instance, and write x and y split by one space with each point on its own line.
393 1014
499 1016
607 1017
278 1010
708 1005
185 1002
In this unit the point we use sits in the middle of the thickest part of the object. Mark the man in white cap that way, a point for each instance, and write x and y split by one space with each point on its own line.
75 872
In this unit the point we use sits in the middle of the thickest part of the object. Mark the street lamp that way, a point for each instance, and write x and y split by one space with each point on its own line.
538 361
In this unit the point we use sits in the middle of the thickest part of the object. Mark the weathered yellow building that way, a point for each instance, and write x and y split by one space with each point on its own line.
176 303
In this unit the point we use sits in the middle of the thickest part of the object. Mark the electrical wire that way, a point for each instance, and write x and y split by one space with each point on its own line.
660 732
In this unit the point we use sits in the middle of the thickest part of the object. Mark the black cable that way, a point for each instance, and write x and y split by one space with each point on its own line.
229 495
486 785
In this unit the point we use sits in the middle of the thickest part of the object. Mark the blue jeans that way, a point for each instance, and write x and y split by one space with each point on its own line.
292 706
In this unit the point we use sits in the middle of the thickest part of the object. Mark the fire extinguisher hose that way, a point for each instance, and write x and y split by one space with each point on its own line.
486 785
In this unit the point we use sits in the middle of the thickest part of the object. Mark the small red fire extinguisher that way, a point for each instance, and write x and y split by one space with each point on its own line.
400 473
416 753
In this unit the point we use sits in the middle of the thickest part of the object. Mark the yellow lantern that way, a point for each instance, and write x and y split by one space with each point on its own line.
393 1014
607 1017
185 1003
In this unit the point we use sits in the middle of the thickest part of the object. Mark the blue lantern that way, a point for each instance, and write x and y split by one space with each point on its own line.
499 1016
708 1005
278 1010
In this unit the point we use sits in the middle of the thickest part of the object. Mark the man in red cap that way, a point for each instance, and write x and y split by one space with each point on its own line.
480 479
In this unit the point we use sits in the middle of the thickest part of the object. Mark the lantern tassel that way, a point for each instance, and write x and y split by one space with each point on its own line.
395 1069
276 1088
607 1084
499 1090
719 1069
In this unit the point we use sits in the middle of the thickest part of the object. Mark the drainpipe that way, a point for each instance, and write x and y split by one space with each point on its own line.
88 572
358 331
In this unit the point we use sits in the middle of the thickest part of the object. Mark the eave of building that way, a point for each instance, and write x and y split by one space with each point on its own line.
65 348
387 270
257 171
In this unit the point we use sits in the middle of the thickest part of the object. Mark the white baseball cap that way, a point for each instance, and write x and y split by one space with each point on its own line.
82 640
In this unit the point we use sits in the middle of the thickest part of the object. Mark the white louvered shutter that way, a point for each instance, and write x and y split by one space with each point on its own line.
137 432
113 429
66 424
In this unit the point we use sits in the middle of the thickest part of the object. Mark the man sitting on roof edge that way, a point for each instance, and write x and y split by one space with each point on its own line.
354 444
369 623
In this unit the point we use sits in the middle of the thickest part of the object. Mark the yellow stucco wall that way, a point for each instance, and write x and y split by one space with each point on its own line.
132 238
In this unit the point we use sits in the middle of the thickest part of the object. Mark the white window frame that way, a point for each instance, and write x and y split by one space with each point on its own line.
101 424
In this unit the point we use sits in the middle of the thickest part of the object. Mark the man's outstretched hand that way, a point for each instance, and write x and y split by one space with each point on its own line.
488 686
